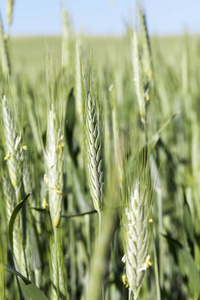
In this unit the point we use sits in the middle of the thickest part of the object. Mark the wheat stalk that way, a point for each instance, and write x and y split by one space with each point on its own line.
116 133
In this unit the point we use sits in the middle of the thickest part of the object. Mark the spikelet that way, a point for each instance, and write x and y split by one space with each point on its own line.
94 154
4 59
136 232
138 78
13 148
9 195
54 166
9 10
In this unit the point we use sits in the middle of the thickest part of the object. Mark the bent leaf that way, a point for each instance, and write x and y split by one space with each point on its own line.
30 289
13 217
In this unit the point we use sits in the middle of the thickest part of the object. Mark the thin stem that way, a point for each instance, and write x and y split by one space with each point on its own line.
135 296
99 223
156 274
55 248
129 294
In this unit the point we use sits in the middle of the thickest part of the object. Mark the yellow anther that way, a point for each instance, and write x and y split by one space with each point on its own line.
111 87
56 222
148 261
125 280
150 220
60 147
7 156
24 147
146 264
44 203
13 183
150 75
55 189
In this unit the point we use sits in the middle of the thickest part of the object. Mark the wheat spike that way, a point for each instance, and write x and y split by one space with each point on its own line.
138 79
147 57
136 229
78 90
65 40
14 159
13 148
9 195
4 59
94 155
9 10
54 166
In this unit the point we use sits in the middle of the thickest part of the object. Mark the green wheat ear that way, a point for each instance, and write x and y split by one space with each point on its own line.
78 87
9 10
14 161
4 58
13 148
137 235
65 40
93 151
138 77
146 47
54 166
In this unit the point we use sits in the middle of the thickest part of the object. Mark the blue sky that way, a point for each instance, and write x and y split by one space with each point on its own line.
102 17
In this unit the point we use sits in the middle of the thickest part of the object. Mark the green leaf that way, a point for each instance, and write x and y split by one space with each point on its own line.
191 271
79 215
187 219
186 264
13 217
149 146
70 124
32 291
13 271
157 135
78 188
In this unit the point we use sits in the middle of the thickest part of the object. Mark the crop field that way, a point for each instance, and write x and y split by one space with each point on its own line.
100 166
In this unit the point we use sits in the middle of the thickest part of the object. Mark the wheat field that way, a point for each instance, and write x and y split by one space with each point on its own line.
100 166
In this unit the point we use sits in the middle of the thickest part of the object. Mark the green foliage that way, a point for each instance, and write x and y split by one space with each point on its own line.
30 289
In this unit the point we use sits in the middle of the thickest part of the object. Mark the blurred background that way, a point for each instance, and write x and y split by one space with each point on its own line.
106 17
